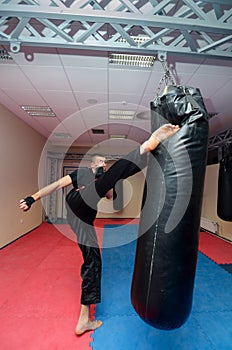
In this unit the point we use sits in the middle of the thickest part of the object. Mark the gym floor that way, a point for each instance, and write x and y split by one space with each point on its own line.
40 291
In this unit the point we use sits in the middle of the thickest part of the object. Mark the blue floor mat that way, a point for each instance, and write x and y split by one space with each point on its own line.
227 267
208 327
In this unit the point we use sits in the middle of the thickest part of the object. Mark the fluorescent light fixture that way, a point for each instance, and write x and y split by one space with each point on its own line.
118 136
4 55
132 60
41 114
121 114
38 111
137 39
62 135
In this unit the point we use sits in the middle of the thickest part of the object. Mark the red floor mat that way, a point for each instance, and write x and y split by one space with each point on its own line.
40 292
215 248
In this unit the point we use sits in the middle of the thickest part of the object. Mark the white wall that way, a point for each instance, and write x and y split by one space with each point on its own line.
20 149
209 205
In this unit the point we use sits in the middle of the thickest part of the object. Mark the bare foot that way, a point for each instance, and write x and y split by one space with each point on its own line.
165 131
89 326
158 136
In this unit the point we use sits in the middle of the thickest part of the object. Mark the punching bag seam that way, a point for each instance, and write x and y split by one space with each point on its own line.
155 235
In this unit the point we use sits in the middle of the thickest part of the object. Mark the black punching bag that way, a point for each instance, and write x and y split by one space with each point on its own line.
224 201
167 246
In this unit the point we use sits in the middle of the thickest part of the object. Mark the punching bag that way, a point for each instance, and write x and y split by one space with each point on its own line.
224 201
167 246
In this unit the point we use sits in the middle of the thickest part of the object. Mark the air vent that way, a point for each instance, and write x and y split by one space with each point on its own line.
98 131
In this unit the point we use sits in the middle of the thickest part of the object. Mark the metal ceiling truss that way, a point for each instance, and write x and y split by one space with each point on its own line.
130 26
220 140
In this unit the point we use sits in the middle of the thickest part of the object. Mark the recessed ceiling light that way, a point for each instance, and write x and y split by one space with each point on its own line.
38 111
143 115
92 101
121 114
131 60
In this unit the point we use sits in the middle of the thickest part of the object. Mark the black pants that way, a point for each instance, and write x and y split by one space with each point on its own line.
81 213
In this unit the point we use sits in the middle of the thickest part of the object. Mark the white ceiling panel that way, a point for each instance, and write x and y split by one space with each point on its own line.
43 57
131 82
72 60
63 113
75 125
11 76
81 89
212 86
124 99
25 96
90 99
185 64
84 137
87 79
49 123
119 128
153 82
95 116
49 78
59 98
222 98
218 67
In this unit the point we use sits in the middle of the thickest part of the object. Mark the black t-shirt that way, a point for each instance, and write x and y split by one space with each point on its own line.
82 177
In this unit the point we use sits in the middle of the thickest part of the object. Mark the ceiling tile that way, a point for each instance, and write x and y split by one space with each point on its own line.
39 57
73 60
49 78
75 125
132 81
208 84
222 98
87 100
59 98
11 76
25 97
87 79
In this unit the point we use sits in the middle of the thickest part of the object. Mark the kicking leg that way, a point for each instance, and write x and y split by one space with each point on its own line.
134 162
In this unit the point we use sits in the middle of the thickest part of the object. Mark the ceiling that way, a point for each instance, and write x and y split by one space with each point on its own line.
81 87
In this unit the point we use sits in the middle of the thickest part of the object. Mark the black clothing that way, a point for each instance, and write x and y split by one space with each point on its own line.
81 203
82 177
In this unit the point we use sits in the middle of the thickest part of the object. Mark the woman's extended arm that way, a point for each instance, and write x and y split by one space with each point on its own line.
25 203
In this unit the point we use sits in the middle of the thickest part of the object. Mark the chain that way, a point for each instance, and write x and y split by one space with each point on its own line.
167 77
